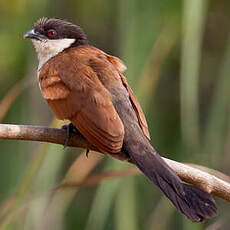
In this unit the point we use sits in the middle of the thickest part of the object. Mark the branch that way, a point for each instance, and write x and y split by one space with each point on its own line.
210 183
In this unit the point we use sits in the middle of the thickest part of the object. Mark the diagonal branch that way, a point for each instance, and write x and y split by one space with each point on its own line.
210 183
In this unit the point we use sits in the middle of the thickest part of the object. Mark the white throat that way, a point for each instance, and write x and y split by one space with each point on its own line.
47 49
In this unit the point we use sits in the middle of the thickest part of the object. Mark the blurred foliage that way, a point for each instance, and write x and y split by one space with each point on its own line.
178 58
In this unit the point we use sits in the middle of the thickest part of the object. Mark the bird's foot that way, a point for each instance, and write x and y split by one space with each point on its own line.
70 128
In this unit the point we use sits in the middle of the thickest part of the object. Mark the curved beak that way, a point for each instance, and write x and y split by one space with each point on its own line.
34 35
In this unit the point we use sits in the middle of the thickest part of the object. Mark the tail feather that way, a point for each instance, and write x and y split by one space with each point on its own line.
196 204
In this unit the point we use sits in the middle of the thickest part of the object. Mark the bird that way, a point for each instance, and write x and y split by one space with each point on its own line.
86 86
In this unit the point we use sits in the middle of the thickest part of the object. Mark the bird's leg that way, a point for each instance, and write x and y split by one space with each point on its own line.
70 128
87 153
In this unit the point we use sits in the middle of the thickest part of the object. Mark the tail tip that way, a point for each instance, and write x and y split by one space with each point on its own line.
200 205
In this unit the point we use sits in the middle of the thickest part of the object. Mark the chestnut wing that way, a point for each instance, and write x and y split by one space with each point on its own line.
78 95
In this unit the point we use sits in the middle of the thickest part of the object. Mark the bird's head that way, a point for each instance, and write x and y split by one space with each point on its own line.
51 36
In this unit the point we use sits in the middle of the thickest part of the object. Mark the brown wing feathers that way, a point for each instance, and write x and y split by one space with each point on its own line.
73 87
86 103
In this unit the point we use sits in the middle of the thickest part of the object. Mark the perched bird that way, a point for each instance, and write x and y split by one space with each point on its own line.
86 86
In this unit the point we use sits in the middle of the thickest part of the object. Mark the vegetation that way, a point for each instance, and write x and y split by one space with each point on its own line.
178 58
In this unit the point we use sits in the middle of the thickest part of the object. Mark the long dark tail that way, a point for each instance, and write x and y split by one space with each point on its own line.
196 204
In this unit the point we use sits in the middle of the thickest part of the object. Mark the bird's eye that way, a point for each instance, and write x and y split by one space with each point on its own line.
52 33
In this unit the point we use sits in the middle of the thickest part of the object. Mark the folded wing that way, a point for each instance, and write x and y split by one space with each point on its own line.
74 92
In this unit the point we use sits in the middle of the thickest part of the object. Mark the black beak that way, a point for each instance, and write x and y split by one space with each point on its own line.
34 35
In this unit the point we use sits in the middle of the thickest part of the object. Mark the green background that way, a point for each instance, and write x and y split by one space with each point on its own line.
178 58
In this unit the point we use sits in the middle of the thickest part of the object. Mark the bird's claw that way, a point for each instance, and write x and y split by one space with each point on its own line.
70 128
